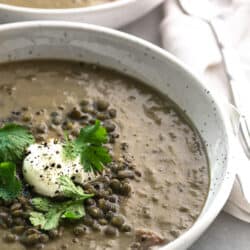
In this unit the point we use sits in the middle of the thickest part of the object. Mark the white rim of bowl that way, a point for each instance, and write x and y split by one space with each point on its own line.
222 195
87 9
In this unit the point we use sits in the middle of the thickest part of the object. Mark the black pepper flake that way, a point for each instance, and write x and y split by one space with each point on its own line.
57 152
41 176
73 178
59 166
53 164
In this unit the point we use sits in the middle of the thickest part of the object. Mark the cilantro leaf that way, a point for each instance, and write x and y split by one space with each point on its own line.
37 219
14 139
74 212
93 158
52 219
70 150
46 221
50 213
10 186
94 134
89 145
42 204
70 190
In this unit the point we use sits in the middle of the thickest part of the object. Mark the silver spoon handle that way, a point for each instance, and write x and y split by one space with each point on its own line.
240 93
239 86
232 67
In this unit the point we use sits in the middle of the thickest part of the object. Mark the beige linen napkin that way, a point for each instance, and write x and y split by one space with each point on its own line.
191 40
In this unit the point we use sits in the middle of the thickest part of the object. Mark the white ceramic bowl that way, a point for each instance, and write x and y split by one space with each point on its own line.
113 14
152 65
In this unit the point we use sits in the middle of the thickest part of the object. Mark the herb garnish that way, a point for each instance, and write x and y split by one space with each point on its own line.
89 145
70 190
50 212
14 139
10 186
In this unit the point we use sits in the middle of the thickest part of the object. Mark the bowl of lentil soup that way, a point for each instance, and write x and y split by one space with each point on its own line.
110 13
110 153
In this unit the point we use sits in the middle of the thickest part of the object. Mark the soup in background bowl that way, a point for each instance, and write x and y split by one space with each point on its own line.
108 13
56 4
157 180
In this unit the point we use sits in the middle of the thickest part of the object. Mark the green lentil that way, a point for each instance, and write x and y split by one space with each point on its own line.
126 228
111 231
122 174
95 212
53 234
117 221
26 118
75 114
56 120
126 189
110 127
32 239
101 105
112 113
15 206
96 227
10 238
84 102
44 238
17 213
115 185
88 221
18 229
103 221
79 230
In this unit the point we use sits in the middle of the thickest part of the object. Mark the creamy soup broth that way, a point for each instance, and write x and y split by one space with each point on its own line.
167 150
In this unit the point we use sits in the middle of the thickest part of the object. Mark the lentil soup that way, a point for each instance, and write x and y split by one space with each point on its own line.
156 185
55 4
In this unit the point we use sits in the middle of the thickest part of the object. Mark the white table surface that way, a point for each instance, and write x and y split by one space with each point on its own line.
226 233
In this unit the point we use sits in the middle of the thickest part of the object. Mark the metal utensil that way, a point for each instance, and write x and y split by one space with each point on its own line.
206 11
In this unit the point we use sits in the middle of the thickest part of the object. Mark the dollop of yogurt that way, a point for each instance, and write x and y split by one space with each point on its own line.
45 163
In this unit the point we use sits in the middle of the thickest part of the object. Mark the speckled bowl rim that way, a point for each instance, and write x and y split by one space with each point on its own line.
222 195
89 9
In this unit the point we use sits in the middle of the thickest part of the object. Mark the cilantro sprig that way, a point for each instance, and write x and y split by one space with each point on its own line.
89 145
14 139
49 214
70 190
10 185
